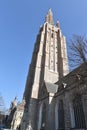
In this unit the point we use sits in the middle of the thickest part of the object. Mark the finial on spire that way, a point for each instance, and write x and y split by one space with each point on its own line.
49 17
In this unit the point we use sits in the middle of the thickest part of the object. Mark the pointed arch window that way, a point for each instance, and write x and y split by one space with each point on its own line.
61 115
78 112
43 122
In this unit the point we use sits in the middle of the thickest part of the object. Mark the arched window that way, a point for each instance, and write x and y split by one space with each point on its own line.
78 112
61 115
43 122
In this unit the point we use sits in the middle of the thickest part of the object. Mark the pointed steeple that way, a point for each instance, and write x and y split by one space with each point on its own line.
49 17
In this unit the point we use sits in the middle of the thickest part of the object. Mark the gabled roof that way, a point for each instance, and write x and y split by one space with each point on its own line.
51 88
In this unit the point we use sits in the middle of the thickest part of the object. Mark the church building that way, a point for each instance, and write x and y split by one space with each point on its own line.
55 99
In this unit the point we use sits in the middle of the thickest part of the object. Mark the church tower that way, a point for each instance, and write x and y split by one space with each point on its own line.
49 63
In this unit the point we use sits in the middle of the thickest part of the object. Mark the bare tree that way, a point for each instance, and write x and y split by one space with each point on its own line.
77 51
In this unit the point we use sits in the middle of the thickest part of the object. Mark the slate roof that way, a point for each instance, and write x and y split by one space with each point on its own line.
72 79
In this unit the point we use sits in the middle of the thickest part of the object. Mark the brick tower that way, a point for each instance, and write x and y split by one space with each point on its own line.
49 63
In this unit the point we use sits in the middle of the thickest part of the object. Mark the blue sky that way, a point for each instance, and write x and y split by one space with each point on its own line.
19 25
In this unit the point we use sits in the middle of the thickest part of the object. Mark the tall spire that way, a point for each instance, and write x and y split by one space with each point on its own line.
49 17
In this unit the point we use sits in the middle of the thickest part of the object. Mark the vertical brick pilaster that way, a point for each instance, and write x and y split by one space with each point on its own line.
51 116
32 118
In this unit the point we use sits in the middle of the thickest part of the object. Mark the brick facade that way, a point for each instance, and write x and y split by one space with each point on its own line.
55 100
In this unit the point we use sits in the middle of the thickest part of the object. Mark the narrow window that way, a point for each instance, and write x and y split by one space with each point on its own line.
78 112
43 123
52 35
61 115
